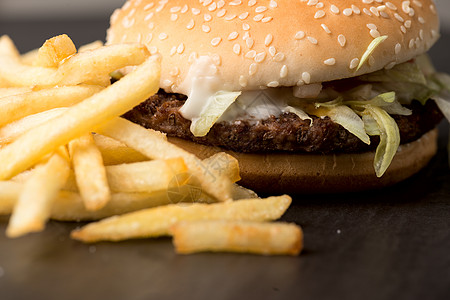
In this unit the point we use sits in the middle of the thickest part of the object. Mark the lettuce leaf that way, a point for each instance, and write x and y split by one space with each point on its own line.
299 112
389 137
370 49
212 112
347 118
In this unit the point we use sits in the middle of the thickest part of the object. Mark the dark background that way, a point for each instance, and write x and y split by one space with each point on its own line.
387 244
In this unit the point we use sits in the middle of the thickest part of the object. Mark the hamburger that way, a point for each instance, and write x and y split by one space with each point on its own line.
310 96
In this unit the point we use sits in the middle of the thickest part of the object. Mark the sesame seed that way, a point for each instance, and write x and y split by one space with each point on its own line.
251 3
421 20
405 7
216 41
319 14
217 59
237 49
399 18
173 50
273 4
221 13
421 34
372 26
306 77
391 6
212 7
411 43
390 65
312 40
375 11
325 28
245 26
334 9
417 3
149 38
273 84
175 71
191 24
180 48
356 9
347 12
268 40
408 24
148 6
319 5
195 11
284 71
242 81
193 56
433 9
162 36
266 19
375 33
249 42
243 16
403 29
299 35
258 17
330 62
342 40
354 63
272 50
173 17
207 2
367 12
398 48
260 9
207 17
233 36
260 57
151 25
278 57
367 1
236 2
175 9
153 50
371 60
184 9
312 2
250 54
252 69
206 28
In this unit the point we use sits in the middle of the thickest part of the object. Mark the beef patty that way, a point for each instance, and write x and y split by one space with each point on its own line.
286 132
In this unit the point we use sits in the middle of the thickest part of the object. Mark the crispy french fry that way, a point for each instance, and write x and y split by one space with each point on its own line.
154 145
157 221
80 119
11 131
5 92
9 192
30 57
55 50
224 165
115 152
96 65
15 107
237 236
148 176
33 207
91 46
90 173
7 47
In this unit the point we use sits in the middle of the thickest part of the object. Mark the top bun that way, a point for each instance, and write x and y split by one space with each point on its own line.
259 43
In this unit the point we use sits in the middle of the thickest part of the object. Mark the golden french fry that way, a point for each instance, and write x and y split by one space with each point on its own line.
237 236
155 145
33 206
80 119
91 46
55 50
11 131
157 221
147 176
30 57
115 152
7 47
89 67
9 192
15 107
5 91
224 164
90 173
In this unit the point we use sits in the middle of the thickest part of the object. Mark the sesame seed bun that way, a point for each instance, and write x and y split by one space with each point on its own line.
315 173
276 43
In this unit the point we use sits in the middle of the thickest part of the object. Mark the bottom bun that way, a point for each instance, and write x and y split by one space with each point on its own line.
319 173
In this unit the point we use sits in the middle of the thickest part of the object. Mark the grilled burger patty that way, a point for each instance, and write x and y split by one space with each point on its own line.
284 133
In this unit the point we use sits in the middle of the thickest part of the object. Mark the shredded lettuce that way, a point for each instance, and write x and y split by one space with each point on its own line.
389 137
212 112
347 118
370 49
406 72
387 101
299 112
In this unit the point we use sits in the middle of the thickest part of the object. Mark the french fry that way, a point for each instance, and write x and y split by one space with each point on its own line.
15 107
157 221
224 165
80 119
7 47
155 145
148 176
11 131
96 65
90 173
30 57
237 236
9 192
33 207
55 50
5 91
91 46
115 152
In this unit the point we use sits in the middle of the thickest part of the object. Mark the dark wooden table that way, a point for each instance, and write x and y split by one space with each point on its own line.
388 244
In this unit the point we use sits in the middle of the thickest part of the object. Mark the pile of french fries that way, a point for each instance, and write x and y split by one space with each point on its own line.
66 154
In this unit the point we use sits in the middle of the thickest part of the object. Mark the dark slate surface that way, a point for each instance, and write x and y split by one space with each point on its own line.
388 244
